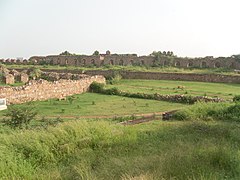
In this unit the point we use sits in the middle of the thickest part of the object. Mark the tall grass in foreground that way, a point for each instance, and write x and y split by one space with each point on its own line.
23 152
100 150
210 111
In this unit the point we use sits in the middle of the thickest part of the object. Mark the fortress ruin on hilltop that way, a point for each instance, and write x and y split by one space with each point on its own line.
162 59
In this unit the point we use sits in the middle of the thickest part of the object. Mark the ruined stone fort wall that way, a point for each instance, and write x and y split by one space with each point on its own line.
159 75
207 62
170 76
43 90
125 60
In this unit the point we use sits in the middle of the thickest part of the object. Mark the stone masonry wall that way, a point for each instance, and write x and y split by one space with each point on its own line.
43 90
160 76
155 75
172 76
81 61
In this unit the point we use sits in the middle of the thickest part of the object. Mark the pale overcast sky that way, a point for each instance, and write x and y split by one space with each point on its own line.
187 27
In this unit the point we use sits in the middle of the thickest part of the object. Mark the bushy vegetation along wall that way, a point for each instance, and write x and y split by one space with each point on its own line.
185 99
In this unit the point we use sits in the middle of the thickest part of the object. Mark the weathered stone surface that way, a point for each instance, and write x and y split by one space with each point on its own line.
65 76
14 72
43 90
160 75
22 77
130 59
51 76
170 76
8 79
55 76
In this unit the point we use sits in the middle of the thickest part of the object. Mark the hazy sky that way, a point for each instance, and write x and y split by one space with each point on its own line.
186 27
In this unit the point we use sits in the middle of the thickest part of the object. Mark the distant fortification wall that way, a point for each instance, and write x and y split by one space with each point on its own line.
126 60
171 76
232 62
43 90
160 76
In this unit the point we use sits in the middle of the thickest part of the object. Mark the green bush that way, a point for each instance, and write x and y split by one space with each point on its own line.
112 91
96 87
232 112
115 78
182 115
210 111
185 99
236 98
20 117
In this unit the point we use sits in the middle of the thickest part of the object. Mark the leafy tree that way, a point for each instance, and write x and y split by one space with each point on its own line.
237 57
96 53
20 117
65 53
158 55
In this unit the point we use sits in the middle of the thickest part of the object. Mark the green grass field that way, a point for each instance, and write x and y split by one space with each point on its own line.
91 104
223 90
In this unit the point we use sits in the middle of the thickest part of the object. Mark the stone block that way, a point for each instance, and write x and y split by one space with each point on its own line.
8 79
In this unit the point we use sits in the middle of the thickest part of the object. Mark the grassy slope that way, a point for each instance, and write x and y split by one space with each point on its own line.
223 90
99 150
104 105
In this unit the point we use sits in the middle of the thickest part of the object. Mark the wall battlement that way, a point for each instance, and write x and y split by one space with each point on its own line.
232 62
125 60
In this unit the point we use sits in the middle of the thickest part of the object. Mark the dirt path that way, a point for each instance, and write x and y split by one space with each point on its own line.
137 121
104 116
145 117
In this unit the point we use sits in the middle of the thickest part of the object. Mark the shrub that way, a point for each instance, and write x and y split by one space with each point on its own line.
20 117
232 112
115 78
186 99
112 91
96 87
213 111
182 115
236 98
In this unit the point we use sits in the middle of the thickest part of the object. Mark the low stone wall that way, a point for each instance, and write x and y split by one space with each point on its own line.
157 75
161 76
43 90
181 76
171 76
